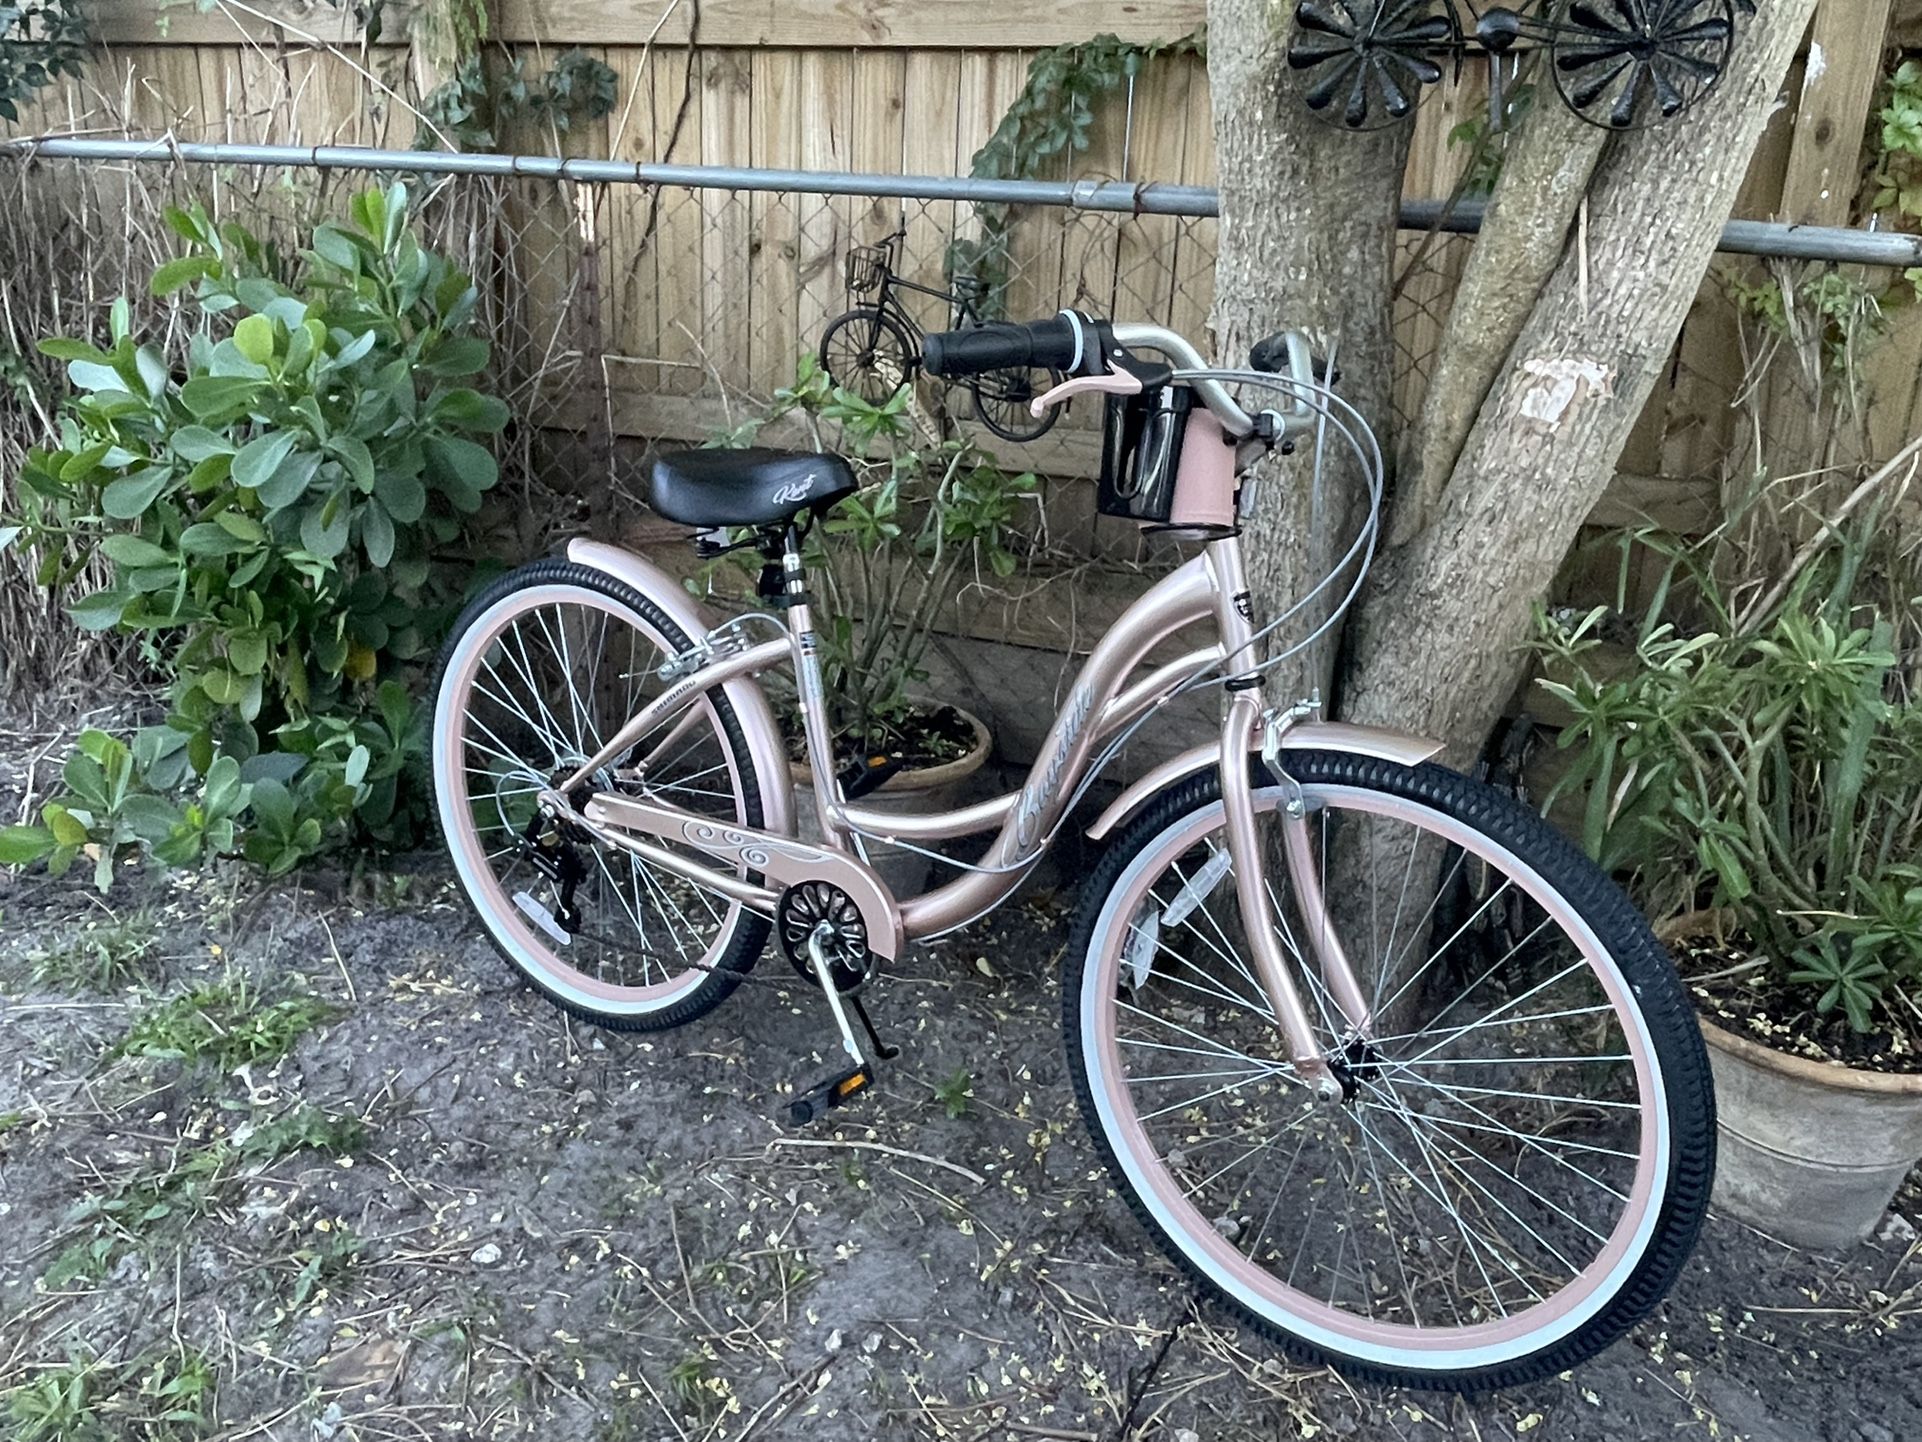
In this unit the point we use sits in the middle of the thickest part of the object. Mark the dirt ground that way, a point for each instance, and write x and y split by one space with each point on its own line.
304 1161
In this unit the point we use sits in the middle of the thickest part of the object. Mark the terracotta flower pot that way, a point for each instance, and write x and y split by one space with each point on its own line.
1810 1151
919 791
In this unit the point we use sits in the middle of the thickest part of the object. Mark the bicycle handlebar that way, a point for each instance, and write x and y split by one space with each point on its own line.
1073 344
1064 343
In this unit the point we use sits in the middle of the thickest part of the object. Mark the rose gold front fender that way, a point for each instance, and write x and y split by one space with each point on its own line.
1402 747
763 735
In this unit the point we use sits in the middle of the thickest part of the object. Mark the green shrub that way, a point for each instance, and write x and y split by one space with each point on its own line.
1761 755
40 40
281 523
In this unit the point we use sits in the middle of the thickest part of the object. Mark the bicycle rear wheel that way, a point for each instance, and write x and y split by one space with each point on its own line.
540 670
1001 403
1522 1155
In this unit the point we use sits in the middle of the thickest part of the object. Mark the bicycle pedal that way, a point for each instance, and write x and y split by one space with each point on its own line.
829 1093
860 777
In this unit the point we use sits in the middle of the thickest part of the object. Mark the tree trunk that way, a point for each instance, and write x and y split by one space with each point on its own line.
1307 240
1435 644
1545 174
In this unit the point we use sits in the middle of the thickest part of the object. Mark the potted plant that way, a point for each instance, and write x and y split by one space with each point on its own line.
1755 772
934 516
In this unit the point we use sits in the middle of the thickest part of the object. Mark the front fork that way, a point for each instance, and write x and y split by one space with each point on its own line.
1320 945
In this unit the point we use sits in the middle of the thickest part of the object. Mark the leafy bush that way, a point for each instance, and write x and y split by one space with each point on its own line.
932 514
279 523
40 40
1765 758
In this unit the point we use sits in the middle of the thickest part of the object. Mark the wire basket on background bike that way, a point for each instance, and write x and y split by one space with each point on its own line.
867 264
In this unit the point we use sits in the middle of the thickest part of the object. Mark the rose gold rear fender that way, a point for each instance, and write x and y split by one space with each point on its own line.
1402 747
765 752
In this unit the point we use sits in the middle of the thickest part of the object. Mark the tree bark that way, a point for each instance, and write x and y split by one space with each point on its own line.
1545 174
1435 646
1307 241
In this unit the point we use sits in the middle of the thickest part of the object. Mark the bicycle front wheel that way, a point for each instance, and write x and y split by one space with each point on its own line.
1522 1154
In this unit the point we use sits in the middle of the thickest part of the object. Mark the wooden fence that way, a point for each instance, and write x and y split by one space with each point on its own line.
690 289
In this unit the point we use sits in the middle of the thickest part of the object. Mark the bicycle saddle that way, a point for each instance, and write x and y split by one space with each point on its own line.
753 487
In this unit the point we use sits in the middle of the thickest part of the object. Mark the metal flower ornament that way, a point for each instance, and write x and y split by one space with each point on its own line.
1622 64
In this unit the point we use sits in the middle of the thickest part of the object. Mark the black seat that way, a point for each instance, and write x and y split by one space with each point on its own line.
753 487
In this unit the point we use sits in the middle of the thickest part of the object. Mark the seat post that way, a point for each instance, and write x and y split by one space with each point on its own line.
789 581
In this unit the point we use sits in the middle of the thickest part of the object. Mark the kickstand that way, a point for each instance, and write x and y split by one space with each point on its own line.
881 1048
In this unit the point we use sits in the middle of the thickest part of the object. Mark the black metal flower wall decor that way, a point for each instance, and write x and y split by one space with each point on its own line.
1622 64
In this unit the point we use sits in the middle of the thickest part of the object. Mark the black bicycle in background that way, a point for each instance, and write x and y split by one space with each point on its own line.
876 347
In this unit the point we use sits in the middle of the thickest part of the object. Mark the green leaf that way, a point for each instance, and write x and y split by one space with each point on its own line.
461 356
67 829
463 469
92 376
101 611
241 527
335 247
257 461
247 652
20 845
403 495
129 497
469 410
377 533
210 397
184 271
194 444
354 455
324 529
289 483
129 550
254 338
208 539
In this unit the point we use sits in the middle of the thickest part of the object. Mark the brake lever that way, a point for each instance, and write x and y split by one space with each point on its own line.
1116 383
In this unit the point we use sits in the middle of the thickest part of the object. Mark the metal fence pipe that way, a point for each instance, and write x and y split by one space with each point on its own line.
1837 244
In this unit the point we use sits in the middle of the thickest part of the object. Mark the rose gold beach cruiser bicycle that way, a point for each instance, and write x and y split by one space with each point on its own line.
1383 1063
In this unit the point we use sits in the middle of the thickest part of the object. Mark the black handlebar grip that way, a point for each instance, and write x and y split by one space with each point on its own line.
1059 344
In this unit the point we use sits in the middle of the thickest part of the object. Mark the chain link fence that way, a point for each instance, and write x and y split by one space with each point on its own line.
624 315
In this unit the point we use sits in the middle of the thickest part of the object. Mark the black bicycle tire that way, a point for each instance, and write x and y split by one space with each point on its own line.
1658 989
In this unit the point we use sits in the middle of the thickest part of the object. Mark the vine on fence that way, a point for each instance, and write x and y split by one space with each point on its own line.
1053 116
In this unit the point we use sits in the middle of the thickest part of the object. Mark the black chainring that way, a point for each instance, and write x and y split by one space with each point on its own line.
805 906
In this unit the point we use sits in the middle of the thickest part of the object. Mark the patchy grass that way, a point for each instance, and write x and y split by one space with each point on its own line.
224 1022
166 1396
100 956
158 1202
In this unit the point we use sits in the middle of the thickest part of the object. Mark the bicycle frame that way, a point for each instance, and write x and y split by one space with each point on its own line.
1106 696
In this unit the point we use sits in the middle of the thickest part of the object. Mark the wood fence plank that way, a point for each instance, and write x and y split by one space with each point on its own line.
677 96
775 142
933 97
1839 81
726 123
632 275
561 23
823 222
